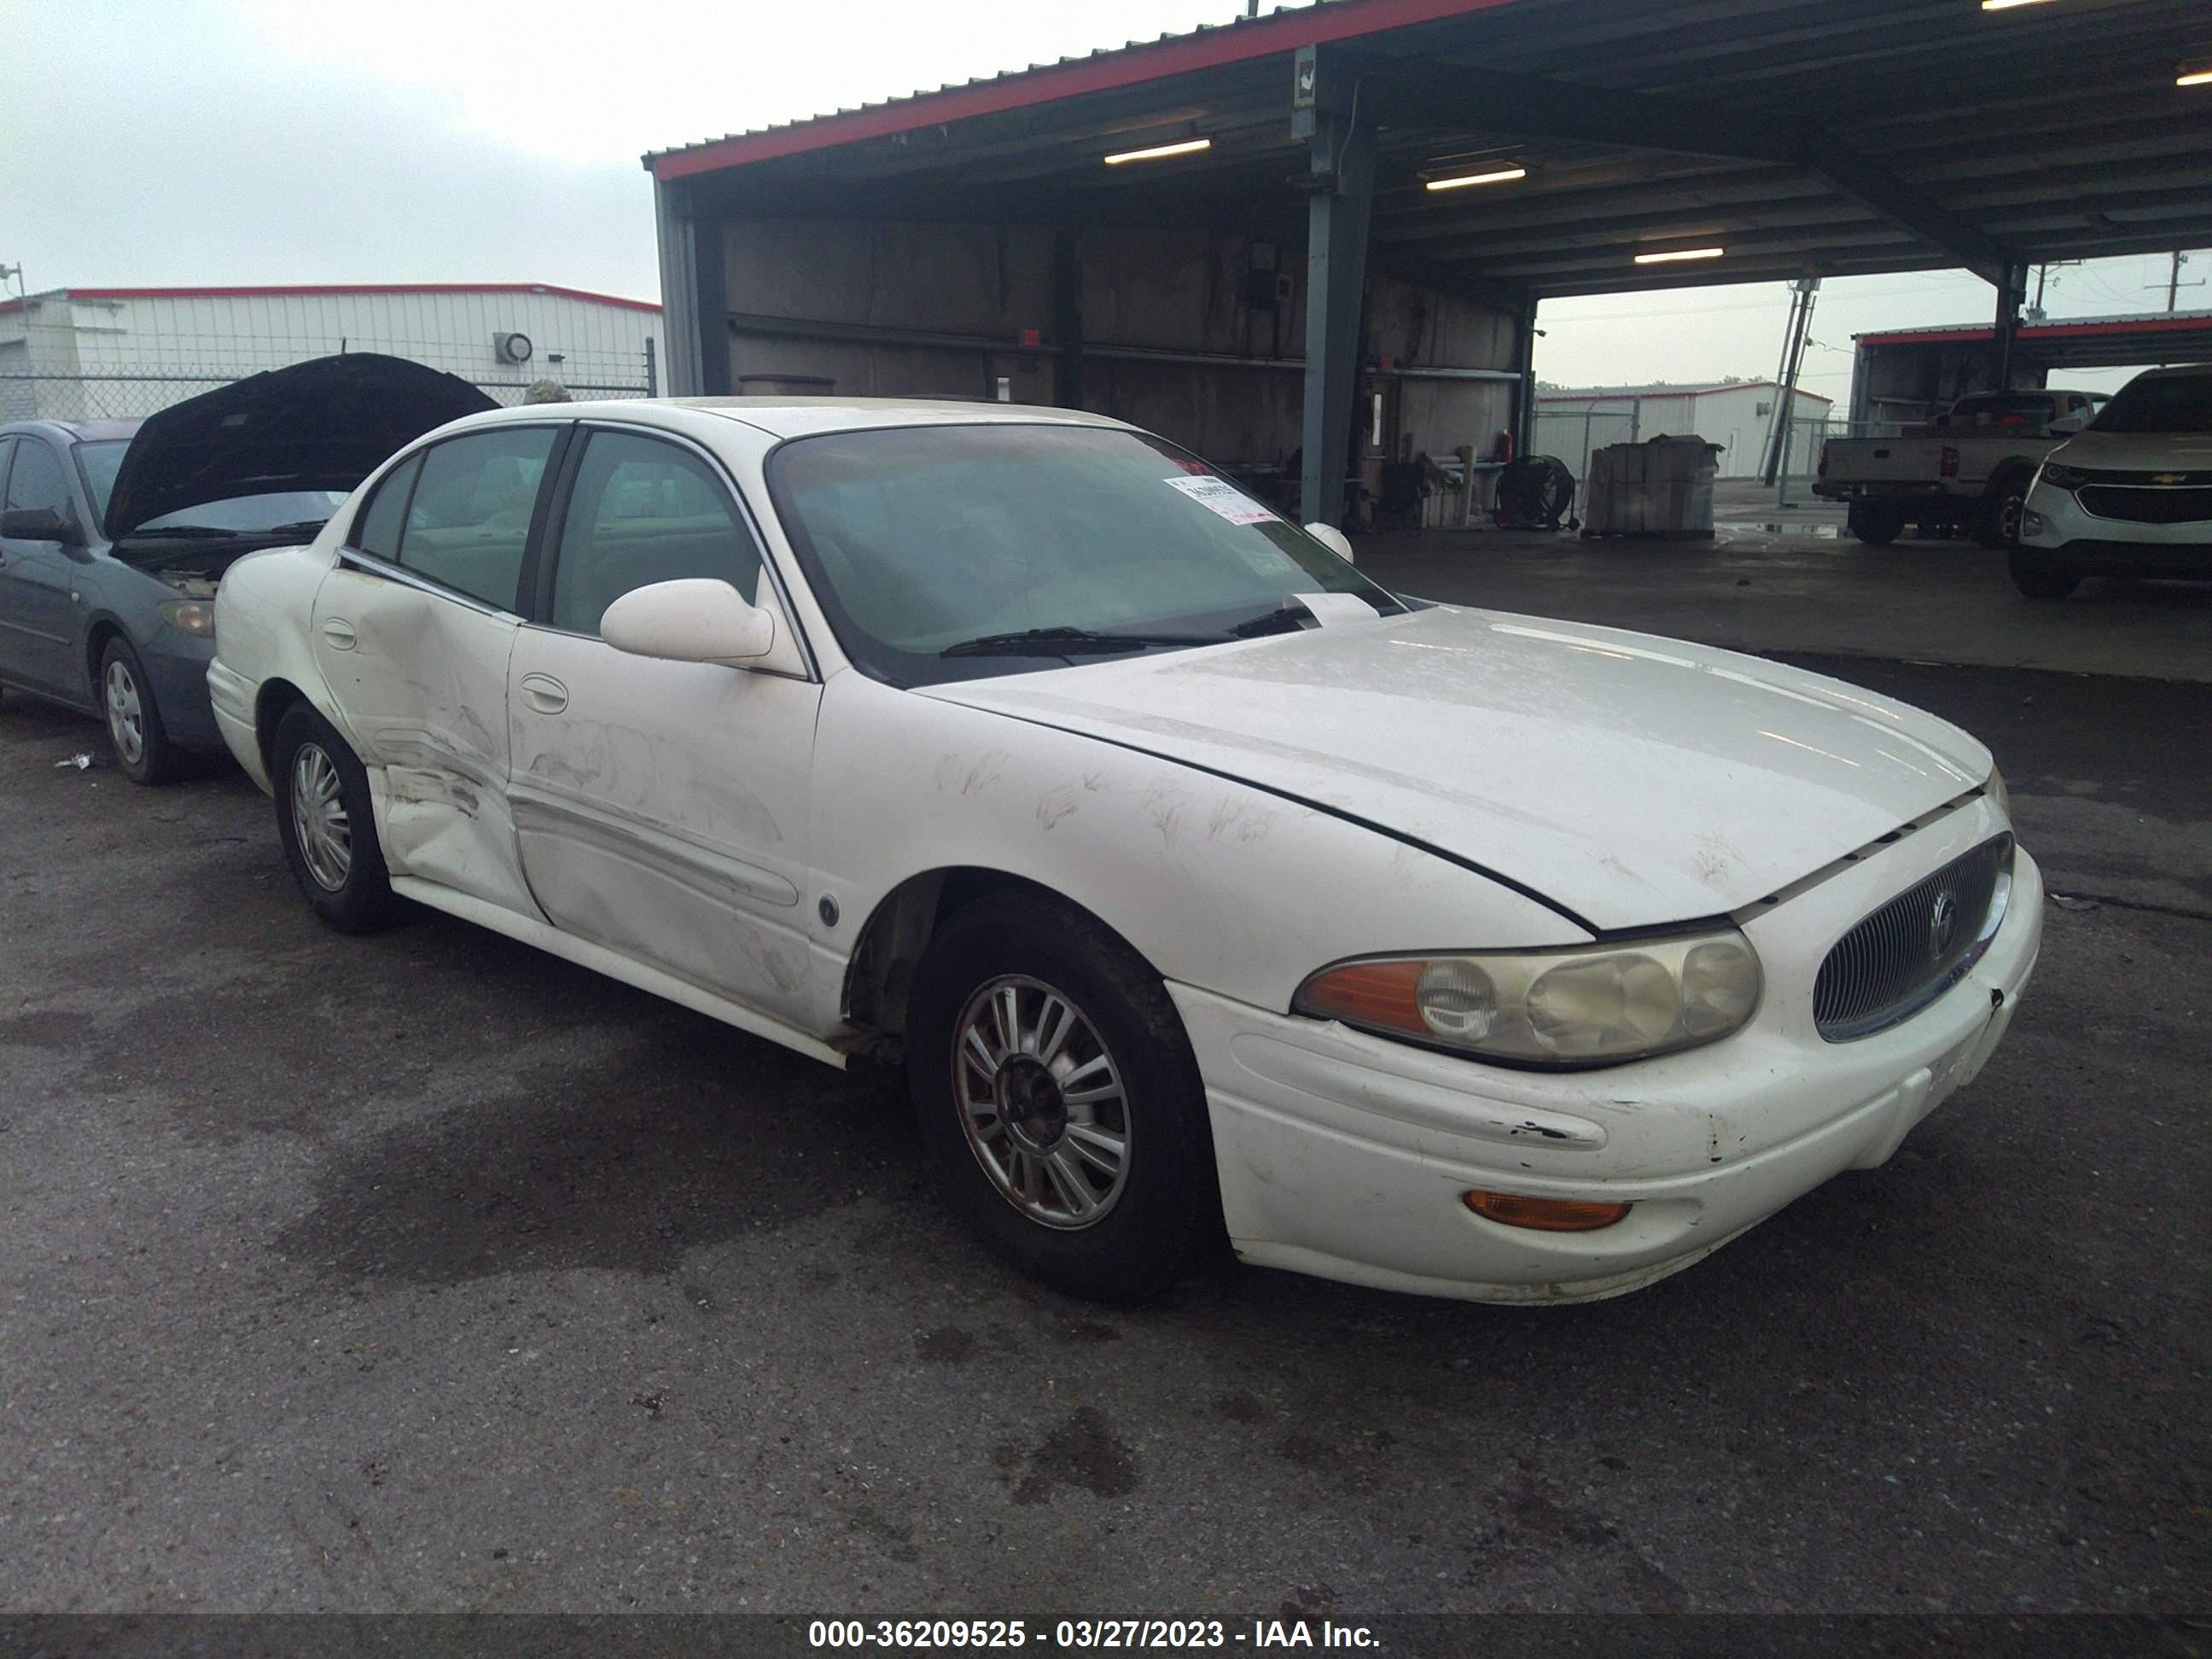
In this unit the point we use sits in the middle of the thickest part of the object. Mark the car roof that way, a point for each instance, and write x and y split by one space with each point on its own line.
83 432
797 417
2179 372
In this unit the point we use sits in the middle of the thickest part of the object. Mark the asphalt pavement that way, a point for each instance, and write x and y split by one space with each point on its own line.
426 1271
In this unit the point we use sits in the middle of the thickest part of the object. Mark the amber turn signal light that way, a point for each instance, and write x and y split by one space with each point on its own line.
1546 1215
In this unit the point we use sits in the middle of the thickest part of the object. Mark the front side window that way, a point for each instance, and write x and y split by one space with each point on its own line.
643 511
470 518
37 479
2181 404
922 541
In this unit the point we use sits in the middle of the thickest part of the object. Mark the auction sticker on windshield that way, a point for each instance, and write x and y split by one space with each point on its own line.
1223 497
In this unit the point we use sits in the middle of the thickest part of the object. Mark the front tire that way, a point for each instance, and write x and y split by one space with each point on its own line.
2003 512
1059 1100
325 820
2039 578
143 752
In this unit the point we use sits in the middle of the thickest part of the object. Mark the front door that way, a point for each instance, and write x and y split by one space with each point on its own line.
413 629
661 806
37 613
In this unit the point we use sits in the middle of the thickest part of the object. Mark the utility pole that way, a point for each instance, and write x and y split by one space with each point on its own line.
1804 293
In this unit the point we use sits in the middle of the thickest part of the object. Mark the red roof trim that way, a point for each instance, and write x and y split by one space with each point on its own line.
2043 331
1672 391
288 290
1228 43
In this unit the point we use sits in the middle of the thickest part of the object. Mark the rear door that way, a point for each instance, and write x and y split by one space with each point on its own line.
38 614
661 806
412 630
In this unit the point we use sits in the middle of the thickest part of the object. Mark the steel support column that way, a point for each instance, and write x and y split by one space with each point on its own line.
1342 159
1067 317
1524 412
694 299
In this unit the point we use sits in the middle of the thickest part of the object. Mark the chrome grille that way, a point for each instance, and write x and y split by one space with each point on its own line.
1914 948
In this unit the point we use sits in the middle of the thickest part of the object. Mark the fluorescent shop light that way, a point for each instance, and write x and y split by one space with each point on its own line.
1683 253
1188 147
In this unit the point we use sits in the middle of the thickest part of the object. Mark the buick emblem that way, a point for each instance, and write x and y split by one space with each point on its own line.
1943 924
2169 477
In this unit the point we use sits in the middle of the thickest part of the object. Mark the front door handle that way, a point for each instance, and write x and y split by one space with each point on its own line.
545 693
339 632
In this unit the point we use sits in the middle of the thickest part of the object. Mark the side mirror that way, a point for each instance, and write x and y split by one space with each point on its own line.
1334 539
696 619
37 523
2070 424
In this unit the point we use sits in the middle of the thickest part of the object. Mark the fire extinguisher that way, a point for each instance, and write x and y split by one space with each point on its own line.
1503 449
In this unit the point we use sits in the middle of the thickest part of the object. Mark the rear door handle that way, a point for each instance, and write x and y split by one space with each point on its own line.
545 693
339 632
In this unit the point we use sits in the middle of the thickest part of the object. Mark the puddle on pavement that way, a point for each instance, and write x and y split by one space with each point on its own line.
1783 527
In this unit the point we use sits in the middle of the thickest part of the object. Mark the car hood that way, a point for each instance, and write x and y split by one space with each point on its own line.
326 424
2137 452
1631 780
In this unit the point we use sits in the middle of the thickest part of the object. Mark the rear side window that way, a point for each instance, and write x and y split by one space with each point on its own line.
642 512
470 518
37 478
376 529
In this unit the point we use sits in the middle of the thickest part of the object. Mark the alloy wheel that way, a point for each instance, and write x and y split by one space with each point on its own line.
318 818
1042 1103
126 713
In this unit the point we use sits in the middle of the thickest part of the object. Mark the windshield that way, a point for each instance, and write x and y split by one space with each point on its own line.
2181 404
242 515
921 540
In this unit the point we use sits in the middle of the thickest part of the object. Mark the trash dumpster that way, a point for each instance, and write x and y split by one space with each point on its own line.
1662 487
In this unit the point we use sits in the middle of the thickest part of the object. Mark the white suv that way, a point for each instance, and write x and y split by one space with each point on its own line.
2130 496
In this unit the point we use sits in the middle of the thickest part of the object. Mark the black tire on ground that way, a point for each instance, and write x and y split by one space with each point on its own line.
2041 577
325 820
142 750
2001 507
1876 524
1165 1205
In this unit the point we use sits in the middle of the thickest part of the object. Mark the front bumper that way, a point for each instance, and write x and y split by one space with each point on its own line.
1346 1156
2060 529
177 665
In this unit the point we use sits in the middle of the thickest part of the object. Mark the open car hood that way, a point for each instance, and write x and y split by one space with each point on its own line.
326 424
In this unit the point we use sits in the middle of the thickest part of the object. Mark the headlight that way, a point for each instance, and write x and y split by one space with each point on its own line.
2000 797
2062 477
195 616
1599 1004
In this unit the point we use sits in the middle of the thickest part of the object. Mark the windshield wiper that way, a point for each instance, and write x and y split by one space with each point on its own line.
1289 619
297 527
1067 643
181 532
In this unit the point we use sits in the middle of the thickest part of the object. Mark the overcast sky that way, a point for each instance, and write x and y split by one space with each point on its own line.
191 142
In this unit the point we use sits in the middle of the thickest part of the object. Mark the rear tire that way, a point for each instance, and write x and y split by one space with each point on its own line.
2042 578
1874 525
143 753
324 819
1059 1100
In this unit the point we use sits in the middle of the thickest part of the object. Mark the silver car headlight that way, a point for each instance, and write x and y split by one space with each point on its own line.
1596 1005
195 616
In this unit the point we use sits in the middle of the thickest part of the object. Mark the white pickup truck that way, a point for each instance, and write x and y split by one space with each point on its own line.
1968 470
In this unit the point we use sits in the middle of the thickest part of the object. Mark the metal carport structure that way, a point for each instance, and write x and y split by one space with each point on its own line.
1805 137
1908 375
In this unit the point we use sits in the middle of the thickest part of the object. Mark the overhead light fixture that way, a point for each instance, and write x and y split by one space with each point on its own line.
2007 5
2197 74
1494 176
1189 146
1679 254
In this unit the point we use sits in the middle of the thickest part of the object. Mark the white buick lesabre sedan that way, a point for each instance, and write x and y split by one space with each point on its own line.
1200 882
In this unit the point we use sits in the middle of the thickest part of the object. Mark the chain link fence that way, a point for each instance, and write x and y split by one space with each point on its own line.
1573 435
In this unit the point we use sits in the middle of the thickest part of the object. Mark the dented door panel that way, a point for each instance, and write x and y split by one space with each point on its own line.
420 681
660 809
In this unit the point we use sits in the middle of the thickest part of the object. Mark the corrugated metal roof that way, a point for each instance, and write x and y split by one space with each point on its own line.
1170 38
2124 323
